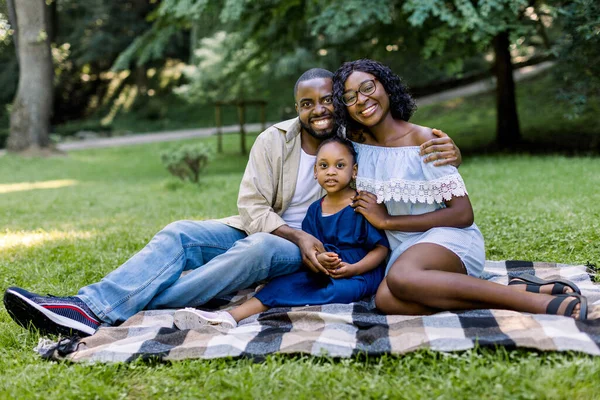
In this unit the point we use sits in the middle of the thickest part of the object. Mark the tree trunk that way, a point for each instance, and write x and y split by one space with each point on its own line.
31 109
508 134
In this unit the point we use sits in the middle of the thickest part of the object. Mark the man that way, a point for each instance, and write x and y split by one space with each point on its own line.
262 242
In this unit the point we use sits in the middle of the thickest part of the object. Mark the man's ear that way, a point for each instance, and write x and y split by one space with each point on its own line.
296 107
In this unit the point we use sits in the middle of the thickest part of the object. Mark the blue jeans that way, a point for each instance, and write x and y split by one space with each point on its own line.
222 260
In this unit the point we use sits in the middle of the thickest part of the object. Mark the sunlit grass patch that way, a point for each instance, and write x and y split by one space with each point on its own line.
23 186
11 240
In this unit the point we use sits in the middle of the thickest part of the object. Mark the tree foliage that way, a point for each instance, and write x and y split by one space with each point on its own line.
9 68
487 23
578 54
243 49
90 37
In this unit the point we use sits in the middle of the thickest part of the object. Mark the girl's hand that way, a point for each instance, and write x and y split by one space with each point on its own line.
366 204
345 270
442 150
329 260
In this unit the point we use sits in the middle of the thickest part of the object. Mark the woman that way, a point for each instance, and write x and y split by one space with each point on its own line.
437 251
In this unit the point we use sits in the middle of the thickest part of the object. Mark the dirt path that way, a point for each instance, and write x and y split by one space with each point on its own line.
166 136
482 86
153 137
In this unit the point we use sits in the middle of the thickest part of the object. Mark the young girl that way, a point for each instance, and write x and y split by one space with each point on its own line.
355 254
437 251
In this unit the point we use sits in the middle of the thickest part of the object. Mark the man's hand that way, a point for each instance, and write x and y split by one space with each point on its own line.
310 246
366 204
329 260
441 150
344 271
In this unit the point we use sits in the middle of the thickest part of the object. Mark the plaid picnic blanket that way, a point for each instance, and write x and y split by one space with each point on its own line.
343 330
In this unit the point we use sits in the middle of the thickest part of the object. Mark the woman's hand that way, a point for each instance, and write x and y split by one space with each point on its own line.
345 270
329 260
441 150
366 204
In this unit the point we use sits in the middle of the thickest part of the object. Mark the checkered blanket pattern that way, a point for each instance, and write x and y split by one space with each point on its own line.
343 330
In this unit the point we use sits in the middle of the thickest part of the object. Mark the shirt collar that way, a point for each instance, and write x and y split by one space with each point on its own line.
291 128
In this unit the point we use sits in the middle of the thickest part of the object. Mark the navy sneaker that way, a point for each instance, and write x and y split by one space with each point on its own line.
51 315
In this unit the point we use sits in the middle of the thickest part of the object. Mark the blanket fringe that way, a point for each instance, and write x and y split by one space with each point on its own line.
51 350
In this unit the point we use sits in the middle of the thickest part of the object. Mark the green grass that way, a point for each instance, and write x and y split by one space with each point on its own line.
56 240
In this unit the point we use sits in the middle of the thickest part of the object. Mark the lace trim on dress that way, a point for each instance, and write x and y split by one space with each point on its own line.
435 190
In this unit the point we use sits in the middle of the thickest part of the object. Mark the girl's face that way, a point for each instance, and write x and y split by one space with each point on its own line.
335 167
370 109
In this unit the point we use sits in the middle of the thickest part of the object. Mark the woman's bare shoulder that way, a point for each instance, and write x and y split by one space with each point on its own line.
422 134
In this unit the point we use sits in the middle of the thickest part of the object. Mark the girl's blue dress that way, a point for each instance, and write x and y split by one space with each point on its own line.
346 233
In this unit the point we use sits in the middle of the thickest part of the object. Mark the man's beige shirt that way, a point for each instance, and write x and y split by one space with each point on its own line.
270 178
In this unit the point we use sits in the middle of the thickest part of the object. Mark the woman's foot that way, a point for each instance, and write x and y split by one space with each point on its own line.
191 318
535 284
571 305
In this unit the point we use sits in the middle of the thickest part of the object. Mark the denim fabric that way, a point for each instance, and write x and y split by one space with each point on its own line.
222 260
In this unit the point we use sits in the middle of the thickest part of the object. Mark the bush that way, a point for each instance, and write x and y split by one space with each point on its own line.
186 162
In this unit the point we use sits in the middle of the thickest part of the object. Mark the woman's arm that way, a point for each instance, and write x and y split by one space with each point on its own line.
457 214
371 260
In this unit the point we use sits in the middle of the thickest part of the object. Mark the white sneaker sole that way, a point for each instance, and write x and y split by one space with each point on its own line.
190 319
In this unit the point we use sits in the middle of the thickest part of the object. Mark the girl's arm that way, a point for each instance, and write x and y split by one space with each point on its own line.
373 259
457 214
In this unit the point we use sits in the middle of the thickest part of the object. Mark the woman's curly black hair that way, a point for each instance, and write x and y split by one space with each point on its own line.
402 105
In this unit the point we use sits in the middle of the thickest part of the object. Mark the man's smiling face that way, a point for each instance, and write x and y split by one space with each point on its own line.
314 104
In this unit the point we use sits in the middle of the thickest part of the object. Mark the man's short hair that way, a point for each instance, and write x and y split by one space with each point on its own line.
313 73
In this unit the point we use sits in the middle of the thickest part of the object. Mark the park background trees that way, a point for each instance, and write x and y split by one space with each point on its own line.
32 106
113 58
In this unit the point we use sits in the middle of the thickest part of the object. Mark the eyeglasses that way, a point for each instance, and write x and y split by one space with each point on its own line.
350 97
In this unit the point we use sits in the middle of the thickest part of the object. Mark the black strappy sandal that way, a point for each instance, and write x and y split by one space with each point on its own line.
534 284
555 303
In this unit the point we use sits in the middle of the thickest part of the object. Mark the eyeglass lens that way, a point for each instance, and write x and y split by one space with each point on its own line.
366 88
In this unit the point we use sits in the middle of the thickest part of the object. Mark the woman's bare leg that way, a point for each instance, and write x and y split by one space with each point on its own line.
433 276
387 303
247 308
